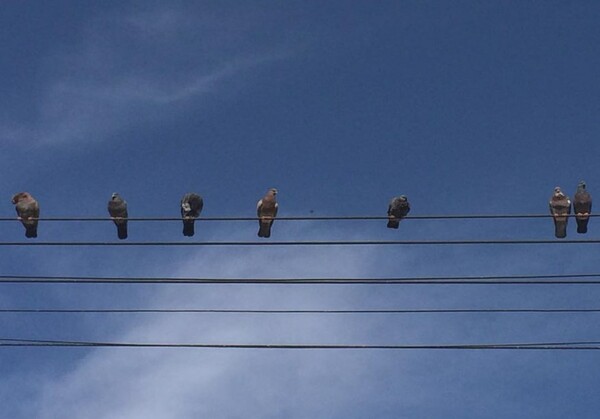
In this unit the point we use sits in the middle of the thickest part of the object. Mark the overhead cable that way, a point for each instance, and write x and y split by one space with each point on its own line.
276 311
305 243
306 218
562 279
580 345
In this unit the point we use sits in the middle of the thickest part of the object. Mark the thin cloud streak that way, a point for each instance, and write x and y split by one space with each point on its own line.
110 85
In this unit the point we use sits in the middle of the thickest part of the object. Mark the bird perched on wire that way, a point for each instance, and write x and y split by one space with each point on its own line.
117 208
191 206
266 209
398 209
28 211
560 208
582 206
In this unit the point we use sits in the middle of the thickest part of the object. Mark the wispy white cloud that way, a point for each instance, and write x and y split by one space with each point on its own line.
126 70
156 383
220 383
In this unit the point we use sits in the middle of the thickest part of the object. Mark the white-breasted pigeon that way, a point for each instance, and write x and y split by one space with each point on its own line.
560 208
191 206
582 206
398 209
28 211
117 208
266 209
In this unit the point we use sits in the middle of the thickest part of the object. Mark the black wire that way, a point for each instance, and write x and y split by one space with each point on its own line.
275 311
305 243
311 218
479 279
463 280
582 345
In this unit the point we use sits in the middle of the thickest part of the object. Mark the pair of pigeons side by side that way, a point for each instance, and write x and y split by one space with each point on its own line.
191 205
266 211
560 208
28 211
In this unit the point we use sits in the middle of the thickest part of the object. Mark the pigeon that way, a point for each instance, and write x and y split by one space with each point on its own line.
27 208
397 210
582 206
117 208
191 206
266 209
560 208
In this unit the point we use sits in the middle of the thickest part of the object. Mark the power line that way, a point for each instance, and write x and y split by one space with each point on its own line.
307 243
308 218
275 311
561 279
582 345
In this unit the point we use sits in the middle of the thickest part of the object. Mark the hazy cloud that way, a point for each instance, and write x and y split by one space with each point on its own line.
126 70
201 383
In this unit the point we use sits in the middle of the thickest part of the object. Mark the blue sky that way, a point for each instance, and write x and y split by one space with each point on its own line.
465 107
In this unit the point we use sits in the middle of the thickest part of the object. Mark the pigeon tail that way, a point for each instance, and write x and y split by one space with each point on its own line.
188 228
560 229
582 223
31 232
122 231
393 222
265 229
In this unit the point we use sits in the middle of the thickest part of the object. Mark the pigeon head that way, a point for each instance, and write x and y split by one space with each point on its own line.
581 185
20 196
186 206
115 196
273 191
403 198
558 191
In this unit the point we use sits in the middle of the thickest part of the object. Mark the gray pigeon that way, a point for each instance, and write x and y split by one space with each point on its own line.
266 209
398 209
117 208
191 206
582 206
27 208
560 208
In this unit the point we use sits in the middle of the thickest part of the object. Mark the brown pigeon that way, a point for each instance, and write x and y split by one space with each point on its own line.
117 208
560 208
191 206
266 209
397 210
27 208
582 206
